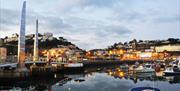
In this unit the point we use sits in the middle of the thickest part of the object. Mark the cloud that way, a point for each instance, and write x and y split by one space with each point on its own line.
7 17
96 23
93 34
75 29
167 19
11 18
100 3
53 23
68 4
128 16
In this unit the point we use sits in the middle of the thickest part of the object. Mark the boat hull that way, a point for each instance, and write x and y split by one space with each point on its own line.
71 70
172 73
145 89
145 71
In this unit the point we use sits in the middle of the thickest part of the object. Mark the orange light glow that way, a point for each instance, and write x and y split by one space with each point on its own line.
121 74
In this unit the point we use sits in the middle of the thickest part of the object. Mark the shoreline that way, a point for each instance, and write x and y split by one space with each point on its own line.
87 64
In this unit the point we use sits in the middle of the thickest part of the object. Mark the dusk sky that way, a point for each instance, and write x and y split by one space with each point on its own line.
95 23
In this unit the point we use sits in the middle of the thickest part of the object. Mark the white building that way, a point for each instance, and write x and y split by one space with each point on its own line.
47 36
29 36
175 48
13 37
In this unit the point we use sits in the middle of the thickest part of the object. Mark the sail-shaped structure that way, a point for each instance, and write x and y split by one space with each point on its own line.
21 40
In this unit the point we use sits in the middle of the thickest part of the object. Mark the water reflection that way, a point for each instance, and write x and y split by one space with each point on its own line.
93 79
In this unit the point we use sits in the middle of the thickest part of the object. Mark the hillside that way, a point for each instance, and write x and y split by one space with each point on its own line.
45 42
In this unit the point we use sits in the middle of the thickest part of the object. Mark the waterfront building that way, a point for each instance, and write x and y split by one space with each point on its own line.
168 48
3 53
55 54
1 41
138 55
59 54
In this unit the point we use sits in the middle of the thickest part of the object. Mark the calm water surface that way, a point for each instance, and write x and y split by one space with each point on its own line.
96 79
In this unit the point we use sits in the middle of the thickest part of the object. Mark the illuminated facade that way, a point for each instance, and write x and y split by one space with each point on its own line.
63 54
143 56
127 54
170 48
3 53
55 54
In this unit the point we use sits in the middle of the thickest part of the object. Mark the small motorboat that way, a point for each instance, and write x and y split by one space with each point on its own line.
73 65
124 67
173 70
79 80
64 81
145 89
147 68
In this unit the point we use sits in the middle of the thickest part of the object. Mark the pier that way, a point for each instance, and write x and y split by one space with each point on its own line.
59 65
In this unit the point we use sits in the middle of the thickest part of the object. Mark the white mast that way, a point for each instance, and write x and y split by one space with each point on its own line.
36 43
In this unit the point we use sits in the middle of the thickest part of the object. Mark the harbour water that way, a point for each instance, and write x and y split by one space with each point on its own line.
92 79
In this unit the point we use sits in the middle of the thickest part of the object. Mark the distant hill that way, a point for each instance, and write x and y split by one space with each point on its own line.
141 44
146 42
45 42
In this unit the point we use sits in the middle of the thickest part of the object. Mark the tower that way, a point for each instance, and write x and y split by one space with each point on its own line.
21 40
36 43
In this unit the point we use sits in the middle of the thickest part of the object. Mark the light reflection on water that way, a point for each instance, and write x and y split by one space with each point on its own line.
118 81
93 79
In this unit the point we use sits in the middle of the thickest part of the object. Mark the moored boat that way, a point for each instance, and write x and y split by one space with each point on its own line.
73 65
173 70
124 67
64 81
72 68
147 68
145 89
79 80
